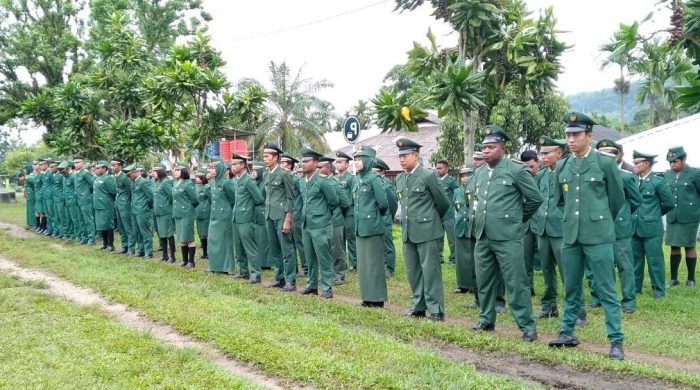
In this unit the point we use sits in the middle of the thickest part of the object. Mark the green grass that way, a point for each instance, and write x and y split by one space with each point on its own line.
48 343
331 343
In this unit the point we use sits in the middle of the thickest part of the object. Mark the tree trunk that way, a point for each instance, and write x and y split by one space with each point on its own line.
622 102
470 119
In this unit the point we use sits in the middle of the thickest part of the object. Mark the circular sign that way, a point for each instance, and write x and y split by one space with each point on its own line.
351 129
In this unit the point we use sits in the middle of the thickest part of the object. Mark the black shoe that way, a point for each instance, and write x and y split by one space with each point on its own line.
415 313
482 327
616 351
673 282
532 292
289 288
276 283
628 309
581 320
690 283
594 305
124 251
437 317
564 340
327 294
500 307
371 304
309 291
460 290
548 313
530 335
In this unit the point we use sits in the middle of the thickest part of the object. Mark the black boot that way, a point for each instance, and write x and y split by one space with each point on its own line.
185 255
110 240
203 241
164 247
171 247
103 233
191 251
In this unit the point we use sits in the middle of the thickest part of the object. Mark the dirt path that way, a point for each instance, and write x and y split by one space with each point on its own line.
135 320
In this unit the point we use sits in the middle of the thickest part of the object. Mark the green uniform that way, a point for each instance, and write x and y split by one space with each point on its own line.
279 200
319 197
104 191
371 206
203 210
592 192
30 197
123 206
163 207
185 201
423 203
296 224
346 182
247 196
505 197
389 249
72 207
83 193
448 220
223 195
142 215
647 241
59 204
682 222
260 226
49 207
39 193
338 242
464 246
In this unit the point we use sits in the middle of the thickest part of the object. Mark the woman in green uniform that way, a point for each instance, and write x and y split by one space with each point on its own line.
203 208
163 211
223 193
260 229
185 201
370 203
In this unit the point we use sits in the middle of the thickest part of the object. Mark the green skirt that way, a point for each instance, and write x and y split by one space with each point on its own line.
104 219
165 225
682 234
203 227
184 229
370 268
221 246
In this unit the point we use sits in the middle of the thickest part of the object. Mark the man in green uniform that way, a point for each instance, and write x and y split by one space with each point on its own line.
72 210
48 189
29 196
59 201
123 205
345 179
39 196
532 161
103 193
257 173
288 163
141 211
423 204
83 193
279 204
647 241
317 230
248 196
340 265
63 204
506 198
389 250
682 222
464 252
590 187
448 220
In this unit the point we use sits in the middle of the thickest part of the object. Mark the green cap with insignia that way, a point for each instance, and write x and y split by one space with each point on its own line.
577 122
140 167
272 148
466 170
675 153
609 146
494 135
238 158
340 155
406 146
51 161
129 168
64 164
288 158
117 160
310 154
181 165
159 167
381 164
365 151
326 161
101 163
639 156
548 144
78 158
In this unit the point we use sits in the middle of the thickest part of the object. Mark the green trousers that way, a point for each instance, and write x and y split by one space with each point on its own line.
142 224
246 249
424 275
88 224
77 218
338 252
599 258
449 226
298 246
60 218
263 247
389 249
349 226
317 247
464 263
50 213
549 249
529 254
625 270
490 256
282 251
125 226
31 217
67 221
649 248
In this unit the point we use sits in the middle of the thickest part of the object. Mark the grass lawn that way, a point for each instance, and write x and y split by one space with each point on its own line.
50 343
335 344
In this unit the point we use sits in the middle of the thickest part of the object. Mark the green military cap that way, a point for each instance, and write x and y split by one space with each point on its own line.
494 135
466 170
548 144
117 160
201 172
340 155
478 147
288 158
78 158
366 151
129 168
675 153
64 165
406 146
140 167
215 161
606 145
326 160
159 167
381 164
29 168
181 165
310 154
87 165
101 163
639 156
51 161
577 122
272 148
238 158
42 160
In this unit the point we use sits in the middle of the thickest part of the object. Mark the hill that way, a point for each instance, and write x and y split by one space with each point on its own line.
606 102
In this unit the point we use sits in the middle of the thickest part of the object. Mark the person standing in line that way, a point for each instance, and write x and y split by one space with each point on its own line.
345 178
123 204
257 173
340 266
163 211
72 205
141 210
448 221
203 210
49 207
248 196
185 201
68 198
83 193
389 250
59 201
464 261
223 197
104 191
288 163
530 158
29 194
39 209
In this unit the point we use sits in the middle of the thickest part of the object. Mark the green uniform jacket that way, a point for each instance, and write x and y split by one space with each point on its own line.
298 204
470 195
548 219
141 195
280 193
185 199
223 198
123 191
393 201
371 204
346 182
204 206
450 185
29 187
58 180
598 181
162 197
423 203
38 187
343 203
505 201
47 185
83 187
260 210
69 190
686 191
624 223
104 190
319 198
248 196
461 213
657 200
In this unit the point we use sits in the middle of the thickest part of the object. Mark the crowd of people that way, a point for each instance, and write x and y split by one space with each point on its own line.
576 207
